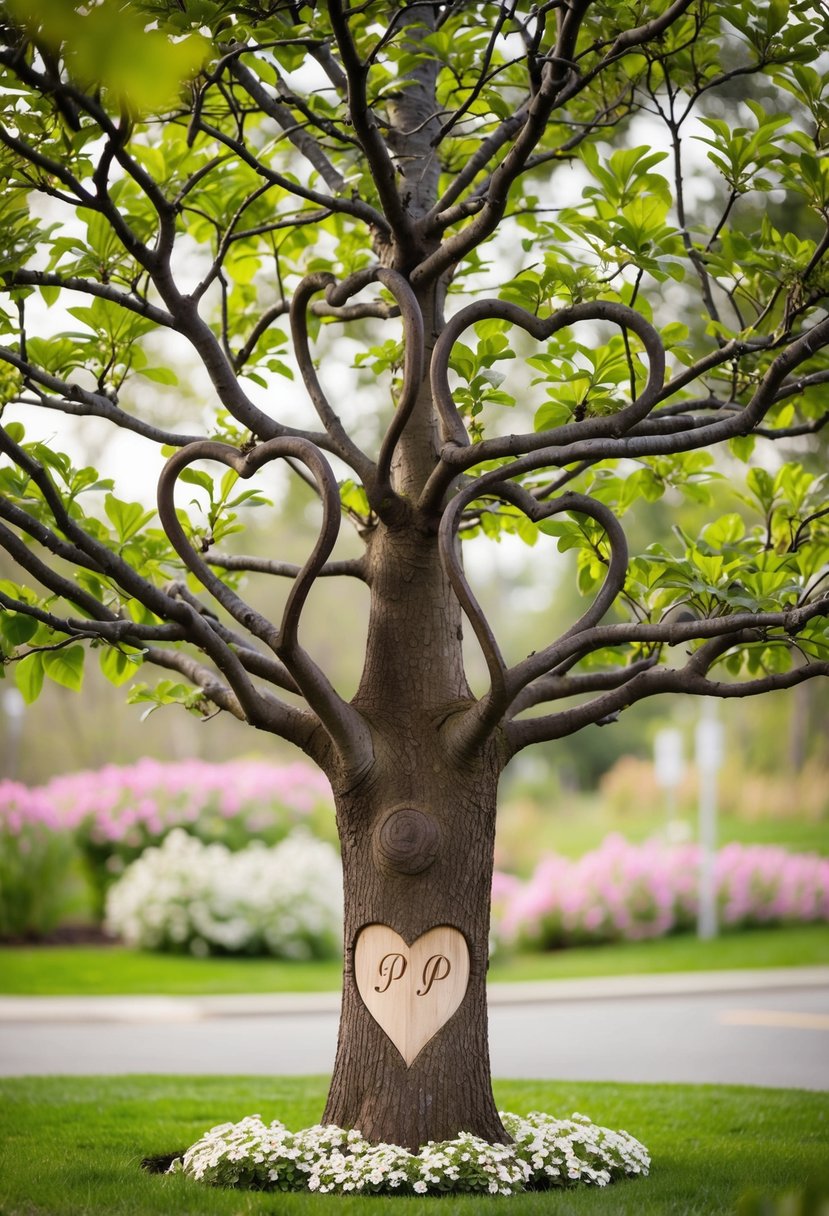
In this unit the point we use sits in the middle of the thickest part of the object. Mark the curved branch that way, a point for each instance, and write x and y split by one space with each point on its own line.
507 683
343 444
261 710
605 709
414 355
342 723
743 421
462 454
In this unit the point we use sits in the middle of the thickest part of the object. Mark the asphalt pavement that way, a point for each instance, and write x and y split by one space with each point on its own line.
768 1027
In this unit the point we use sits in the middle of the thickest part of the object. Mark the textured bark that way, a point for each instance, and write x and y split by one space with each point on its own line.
417 835
414 872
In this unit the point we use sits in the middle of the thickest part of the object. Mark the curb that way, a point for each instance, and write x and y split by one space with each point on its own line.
200 1008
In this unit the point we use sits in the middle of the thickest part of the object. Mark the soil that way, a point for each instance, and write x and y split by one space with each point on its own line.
160 1165
65 935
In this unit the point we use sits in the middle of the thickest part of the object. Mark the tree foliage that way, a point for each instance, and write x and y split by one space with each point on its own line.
258 178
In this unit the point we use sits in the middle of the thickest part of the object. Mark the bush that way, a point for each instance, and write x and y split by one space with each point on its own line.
185 895
627 892
35 855
118 812
749 795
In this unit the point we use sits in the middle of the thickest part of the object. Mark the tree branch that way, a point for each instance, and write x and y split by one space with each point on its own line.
365 126
261 710
458 451
342 723
341 441
302 141
604 709
557 687
71 399
506 683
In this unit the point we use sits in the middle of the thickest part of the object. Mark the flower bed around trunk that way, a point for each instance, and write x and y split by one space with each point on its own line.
546 1153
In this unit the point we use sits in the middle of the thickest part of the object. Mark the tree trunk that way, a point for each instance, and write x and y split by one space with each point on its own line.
417 844
417 835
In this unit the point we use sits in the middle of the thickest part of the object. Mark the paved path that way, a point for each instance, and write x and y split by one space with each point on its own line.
744 1027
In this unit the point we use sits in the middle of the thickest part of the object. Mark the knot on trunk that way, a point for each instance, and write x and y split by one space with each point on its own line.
406 841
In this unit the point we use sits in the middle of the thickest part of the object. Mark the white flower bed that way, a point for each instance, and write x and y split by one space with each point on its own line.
545 1153
186 895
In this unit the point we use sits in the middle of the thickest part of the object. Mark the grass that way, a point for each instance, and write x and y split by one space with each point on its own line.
74 1147
527 828
93 971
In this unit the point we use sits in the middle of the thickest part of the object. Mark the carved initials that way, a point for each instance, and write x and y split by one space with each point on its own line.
392 967
411 990
436 969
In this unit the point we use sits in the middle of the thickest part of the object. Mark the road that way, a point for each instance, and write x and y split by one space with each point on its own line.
753 1028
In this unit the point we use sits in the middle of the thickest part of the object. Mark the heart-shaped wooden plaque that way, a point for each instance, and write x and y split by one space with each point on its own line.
411 991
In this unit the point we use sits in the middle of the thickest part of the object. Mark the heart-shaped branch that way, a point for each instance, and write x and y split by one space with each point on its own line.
412 367
342 722
376 480
460 454
507 683
343 444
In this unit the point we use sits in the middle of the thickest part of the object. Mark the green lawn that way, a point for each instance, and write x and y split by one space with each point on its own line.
89 971
74 1146
528 829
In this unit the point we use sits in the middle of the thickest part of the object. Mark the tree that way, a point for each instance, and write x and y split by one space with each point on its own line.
203 168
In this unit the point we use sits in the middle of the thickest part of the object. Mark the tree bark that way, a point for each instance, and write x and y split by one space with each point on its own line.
417 843
417 835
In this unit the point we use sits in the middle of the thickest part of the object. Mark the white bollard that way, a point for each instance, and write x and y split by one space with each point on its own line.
709 755
668 768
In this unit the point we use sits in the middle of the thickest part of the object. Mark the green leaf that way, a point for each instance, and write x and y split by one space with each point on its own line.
160 375
17 628
28 676
552 414
65 666
15 431
127 518
118 666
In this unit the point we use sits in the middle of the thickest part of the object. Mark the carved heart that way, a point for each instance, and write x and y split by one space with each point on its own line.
411 991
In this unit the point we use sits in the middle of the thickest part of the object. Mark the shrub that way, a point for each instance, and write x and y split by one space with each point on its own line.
185 895
117 812
35 854
804 793
623 891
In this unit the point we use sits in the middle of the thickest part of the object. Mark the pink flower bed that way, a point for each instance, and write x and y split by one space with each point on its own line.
34 856
148 799
627 892
116 812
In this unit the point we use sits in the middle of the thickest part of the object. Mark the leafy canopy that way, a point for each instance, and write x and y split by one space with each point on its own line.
644 184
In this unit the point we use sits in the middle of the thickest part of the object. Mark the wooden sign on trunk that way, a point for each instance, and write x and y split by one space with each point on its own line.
411 991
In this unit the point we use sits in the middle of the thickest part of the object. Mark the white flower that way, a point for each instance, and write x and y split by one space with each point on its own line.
331 1160
285 900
